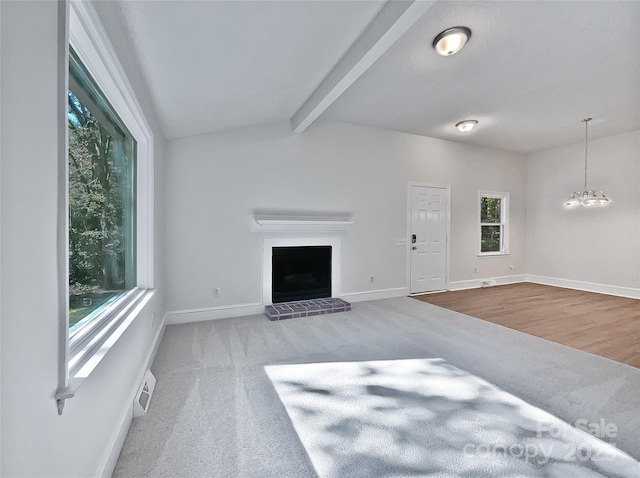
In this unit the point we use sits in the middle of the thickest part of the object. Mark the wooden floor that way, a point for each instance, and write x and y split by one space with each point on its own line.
601 324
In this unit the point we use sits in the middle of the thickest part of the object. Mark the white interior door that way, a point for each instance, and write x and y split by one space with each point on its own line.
428 238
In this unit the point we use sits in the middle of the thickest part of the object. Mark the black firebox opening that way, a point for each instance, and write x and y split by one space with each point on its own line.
301 273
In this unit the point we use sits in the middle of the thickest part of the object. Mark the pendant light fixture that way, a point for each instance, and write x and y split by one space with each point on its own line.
588 197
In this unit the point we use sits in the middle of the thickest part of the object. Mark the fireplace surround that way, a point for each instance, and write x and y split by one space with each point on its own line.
269 243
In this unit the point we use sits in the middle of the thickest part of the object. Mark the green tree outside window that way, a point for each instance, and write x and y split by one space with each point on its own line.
101 199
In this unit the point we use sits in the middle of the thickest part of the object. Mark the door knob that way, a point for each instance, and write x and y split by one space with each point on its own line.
413 248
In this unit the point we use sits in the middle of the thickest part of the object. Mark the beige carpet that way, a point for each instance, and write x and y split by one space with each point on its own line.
216 413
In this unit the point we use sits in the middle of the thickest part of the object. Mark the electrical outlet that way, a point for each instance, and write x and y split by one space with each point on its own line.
401 242
475 270
216 291
371 279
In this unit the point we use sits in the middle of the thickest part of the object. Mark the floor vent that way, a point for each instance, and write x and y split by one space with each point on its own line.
143 397
488 283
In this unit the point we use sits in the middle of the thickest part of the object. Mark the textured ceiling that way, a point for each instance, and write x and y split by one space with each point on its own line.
530 72
214 65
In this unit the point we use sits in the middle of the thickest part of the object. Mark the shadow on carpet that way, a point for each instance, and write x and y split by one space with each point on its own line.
425 417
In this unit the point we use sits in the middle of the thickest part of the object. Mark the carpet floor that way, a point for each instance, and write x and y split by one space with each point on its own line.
220 409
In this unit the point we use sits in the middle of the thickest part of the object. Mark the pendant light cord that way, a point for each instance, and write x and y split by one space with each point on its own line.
586 128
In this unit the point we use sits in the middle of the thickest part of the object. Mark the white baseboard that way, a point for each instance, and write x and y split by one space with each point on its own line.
212 313
375 294
476 283
242 310
112 453
629 292
256 308
553 281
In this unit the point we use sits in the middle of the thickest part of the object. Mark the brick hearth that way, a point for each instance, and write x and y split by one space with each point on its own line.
305 308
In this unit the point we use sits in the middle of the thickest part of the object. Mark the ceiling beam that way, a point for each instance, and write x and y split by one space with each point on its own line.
392 21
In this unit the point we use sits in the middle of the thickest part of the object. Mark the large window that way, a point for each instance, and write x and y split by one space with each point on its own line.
102 212
105 207
494 223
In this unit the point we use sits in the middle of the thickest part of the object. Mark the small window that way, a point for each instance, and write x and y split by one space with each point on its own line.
494 223
102 198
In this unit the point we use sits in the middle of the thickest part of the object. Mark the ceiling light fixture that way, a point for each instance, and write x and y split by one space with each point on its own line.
466 125
588 197
451 41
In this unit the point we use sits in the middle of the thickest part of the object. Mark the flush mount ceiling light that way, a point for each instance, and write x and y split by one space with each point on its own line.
588 197
451 41
466 125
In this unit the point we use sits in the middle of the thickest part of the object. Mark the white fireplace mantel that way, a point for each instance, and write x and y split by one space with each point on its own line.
300 224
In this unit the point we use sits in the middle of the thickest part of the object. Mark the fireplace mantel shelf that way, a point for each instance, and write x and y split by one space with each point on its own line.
297 224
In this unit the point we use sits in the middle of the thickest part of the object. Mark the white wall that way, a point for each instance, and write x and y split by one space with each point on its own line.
35 440
0 239
215 181
586 247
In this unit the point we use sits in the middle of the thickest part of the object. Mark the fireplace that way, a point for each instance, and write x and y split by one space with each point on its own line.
300 273
279 250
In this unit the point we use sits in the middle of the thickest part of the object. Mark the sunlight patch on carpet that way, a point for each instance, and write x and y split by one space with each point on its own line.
425 417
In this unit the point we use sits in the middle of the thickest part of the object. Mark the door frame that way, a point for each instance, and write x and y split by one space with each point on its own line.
447 188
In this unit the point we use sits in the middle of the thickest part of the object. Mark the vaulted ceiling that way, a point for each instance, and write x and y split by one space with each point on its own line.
530 72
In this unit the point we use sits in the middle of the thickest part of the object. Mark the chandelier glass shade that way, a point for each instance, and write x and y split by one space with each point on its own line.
588 197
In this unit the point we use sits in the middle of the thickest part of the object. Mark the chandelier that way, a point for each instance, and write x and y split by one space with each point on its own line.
588 197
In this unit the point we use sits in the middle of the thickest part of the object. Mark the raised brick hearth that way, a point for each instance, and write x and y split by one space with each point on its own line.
305 308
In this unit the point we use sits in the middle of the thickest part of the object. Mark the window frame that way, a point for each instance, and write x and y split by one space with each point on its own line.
504 222
82 350
91 97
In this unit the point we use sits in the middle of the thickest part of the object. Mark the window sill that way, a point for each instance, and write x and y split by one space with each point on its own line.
86 357
492 254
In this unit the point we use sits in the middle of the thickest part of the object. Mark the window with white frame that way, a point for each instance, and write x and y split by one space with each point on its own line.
101 192
108 202
494 223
